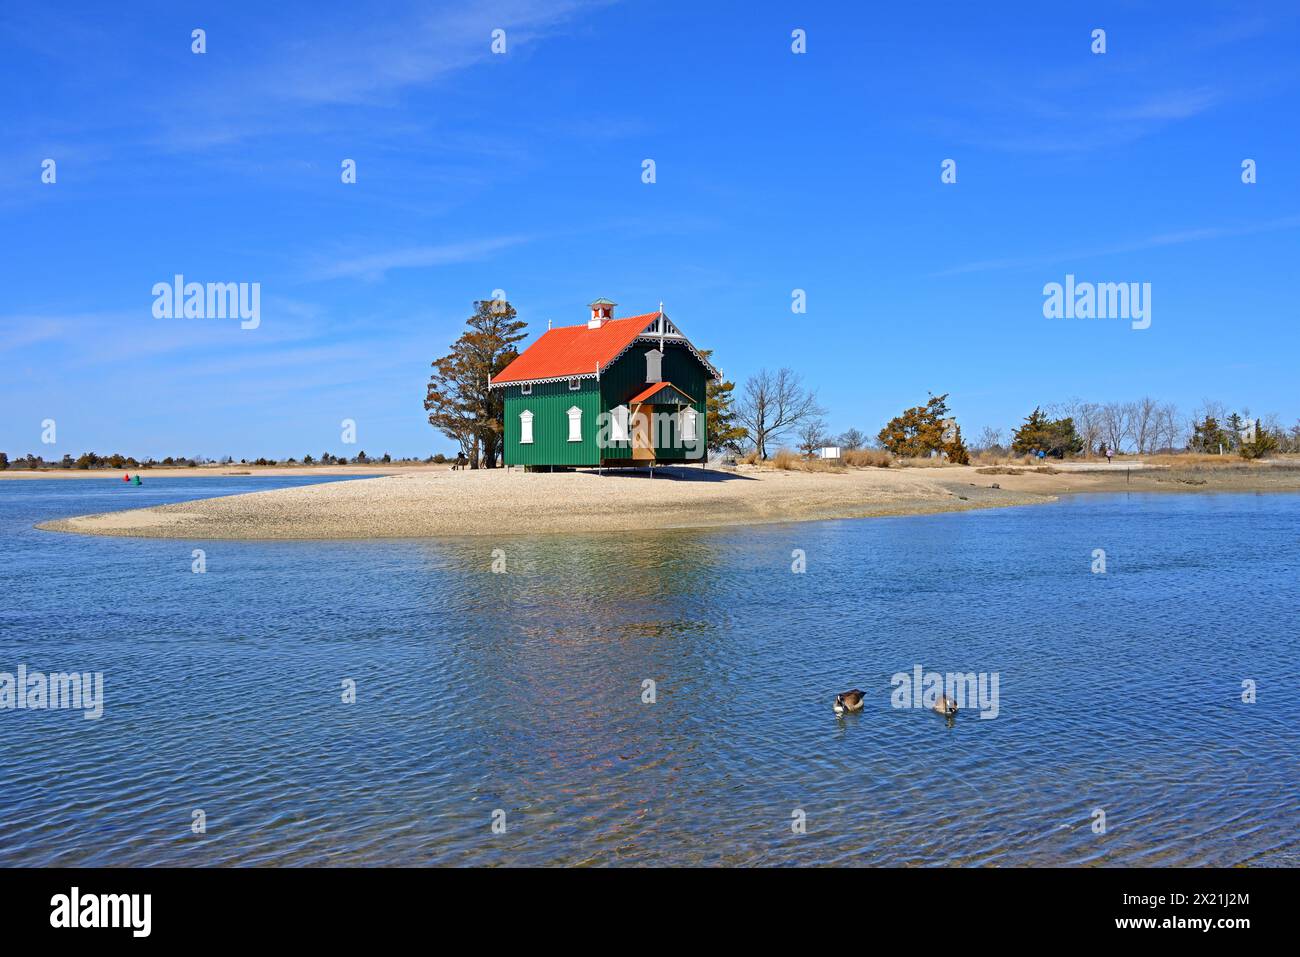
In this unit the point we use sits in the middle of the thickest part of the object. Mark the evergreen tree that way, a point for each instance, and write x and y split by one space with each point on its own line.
1055 437
458 400
956 449
721 430
923 430
1207 436
1260 444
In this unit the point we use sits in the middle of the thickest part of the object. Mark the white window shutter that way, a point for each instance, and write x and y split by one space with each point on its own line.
575 424
654 366
525 428
688 425
618 424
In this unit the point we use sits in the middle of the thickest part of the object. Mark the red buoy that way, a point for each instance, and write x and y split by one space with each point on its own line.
126 478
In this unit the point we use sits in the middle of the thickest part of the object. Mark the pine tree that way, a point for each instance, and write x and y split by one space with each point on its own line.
723 434
1055 437
458 400
1207 436
1261 443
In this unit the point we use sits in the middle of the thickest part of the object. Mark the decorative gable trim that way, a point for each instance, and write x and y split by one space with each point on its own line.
648 338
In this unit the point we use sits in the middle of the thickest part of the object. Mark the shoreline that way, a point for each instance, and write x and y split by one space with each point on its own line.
224 471
434 502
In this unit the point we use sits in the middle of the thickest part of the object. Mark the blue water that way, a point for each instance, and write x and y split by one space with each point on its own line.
522 692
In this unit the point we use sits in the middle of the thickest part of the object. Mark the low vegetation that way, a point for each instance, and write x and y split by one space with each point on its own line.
867 458
925 431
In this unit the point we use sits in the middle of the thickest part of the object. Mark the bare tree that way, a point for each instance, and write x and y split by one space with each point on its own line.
1272 424
812 435
1088 423
990 440
852 440
1116 424
1087 418
1169 428
772 404
1144 423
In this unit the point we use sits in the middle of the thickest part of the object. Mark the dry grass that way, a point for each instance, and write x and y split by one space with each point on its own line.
987 458
925 463
787 460
1178 459
867 458
1010 470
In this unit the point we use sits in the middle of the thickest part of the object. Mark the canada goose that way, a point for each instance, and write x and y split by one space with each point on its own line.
945 706
849 701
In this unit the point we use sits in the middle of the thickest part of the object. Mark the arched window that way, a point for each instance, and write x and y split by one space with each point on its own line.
525 428
654 360
575 424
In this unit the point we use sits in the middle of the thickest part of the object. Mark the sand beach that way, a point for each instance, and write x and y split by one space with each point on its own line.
438 502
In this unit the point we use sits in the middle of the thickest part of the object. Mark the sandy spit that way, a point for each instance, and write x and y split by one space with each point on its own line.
433 504
439 503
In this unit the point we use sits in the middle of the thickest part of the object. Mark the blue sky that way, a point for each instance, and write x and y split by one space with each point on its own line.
522 172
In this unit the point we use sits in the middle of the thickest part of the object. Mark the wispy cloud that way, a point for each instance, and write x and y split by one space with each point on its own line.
316 76
1175 238
375 266
1171 105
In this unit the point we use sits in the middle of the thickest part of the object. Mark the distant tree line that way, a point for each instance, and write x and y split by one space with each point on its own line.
92 460
1144 427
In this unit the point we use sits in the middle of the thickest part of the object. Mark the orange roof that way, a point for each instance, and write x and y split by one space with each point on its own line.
574 350
654 388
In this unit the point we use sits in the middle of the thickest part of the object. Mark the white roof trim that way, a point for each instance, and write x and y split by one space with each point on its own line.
556 378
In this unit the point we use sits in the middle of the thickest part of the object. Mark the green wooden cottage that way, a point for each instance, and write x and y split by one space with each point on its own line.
609 392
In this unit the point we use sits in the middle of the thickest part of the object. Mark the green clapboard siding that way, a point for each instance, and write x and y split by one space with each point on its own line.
626 377
550 404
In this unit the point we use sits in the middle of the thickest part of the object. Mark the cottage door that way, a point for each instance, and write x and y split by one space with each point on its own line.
643 449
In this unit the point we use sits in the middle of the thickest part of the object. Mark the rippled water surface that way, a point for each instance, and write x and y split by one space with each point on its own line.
523 691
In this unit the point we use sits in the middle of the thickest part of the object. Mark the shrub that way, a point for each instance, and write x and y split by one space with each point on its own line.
1261 445
1055 437
867 458
925 429
785 460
